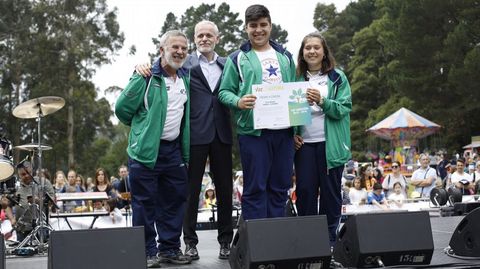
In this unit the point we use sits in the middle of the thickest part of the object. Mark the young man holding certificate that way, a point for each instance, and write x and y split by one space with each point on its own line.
266 154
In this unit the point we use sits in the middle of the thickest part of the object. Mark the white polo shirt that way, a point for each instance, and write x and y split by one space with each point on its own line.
177 97
315 132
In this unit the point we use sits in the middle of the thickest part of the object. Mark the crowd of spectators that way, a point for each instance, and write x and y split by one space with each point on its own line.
383 183
362 183
20 208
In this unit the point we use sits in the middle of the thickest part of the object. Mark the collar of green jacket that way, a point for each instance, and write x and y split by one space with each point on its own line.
333 76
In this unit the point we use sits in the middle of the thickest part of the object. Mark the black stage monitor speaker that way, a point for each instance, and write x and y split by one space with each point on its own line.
281 243
465 240
374 240
460 209
2 253
119 248
438 196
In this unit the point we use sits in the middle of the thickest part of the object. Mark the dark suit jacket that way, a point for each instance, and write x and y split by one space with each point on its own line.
207 115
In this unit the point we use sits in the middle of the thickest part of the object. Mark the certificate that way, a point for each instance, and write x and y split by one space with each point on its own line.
281 105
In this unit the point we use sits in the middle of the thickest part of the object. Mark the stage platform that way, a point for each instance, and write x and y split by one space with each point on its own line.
442 229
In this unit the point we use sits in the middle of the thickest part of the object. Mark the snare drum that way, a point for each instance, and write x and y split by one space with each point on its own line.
6 164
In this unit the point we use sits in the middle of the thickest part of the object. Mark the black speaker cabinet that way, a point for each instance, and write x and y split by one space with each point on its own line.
460 209
119 248
465 240
295 242
371 240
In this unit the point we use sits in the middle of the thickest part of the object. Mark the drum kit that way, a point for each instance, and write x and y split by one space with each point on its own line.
35 108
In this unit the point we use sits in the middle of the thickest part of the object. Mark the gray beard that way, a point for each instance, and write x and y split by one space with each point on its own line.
169 59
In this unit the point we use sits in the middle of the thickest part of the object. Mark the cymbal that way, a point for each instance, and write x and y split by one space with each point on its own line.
33 147
45 105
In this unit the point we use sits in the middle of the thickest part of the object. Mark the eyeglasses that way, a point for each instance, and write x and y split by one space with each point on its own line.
394 166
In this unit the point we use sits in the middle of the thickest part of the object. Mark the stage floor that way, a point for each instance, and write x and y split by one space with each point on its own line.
442 229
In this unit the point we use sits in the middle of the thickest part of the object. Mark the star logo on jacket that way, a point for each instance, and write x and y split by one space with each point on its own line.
272 71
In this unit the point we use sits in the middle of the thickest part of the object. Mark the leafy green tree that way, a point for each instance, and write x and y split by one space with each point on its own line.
339 28
324 16
354 42
230 27
278 34
459 64
15 46
116 154
420 69
420 55
228 22
59 44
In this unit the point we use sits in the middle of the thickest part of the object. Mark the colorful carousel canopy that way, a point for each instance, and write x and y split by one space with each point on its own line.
404 125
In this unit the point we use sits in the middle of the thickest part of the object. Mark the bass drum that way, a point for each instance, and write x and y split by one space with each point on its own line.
6 165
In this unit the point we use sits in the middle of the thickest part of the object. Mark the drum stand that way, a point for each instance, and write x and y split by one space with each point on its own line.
38 232
36 235
36 109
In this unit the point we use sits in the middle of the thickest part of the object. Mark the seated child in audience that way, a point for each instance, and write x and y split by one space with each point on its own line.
377 197
397 196
115 213
98 205
357 194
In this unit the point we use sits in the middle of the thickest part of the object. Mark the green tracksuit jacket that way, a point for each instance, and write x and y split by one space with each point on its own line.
337 106
242 70
142 105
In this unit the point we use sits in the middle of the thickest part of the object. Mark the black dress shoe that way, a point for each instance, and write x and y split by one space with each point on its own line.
192 252
224 251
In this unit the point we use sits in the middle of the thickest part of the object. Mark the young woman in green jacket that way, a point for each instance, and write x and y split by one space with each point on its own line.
323 147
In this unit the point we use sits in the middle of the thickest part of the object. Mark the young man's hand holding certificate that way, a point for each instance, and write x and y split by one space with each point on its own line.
281 105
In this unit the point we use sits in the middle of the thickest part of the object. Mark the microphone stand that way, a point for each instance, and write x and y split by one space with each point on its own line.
127 201
212 218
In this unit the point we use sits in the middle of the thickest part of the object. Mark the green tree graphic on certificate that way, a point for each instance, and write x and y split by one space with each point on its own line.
298 108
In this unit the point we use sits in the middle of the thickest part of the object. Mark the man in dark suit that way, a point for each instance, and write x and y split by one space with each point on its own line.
210 136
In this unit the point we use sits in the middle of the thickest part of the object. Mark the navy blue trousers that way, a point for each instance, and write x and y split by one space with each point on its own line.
314 179
158 198
267 163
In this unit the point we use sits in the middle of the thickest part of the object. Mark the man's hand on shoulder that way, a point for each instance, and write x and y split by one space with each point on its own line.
144 69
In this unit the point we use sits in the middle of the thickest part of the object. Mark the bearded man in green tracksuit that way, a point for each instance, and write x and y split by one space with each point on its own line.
157 110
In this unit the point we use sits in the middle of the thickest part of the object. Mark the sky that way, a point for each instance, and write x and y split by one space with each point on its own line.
141 20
